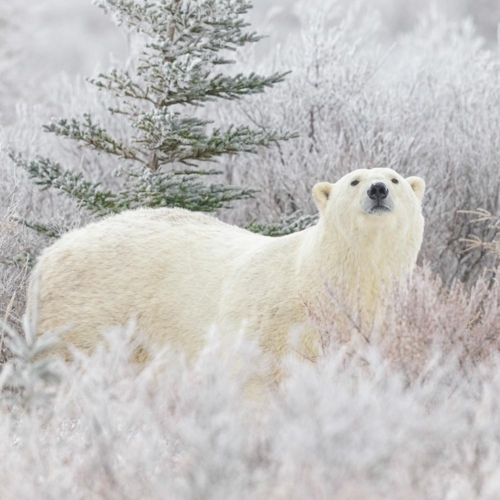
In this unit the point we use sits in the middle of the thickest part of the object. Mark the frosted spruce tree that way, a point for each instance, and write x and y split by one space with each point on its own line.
185 45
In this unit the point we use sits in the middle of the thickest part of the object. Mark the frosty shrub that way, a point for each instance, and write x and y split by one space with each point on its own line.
425 107
489 246
12 30
16 244
420 321
28 381
410 415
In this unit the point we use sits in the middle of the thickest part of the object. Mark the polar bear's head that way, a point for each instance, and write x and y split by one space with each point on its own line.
365 201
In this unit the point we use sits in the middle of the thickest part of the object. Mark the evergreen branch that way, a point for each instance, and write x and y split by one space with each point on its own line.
91 135
178 190
121 84
183 83
177 138
286 225
186 84
183 189
22 260
50 230
50 174
186 28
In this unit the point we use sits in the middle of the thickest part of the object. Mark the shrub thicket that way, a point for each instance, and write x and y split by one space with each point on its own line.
407 411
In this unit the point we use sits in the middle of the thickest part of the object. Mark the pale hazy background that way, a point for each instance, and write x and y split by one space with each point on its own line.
73 36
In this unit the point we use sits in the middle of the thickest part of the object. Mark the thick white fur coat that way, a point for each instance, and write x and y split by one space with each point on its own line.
178 273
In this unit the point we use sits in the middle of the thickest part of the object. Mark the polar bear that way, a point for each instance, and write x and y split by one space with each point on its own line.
178 272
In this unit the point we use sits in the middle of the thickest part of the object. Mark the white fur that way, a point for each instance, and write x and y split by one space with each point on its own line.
178 273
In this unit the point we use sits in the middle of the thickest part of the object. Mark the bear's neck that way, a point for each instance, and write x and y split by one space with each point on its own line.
359 272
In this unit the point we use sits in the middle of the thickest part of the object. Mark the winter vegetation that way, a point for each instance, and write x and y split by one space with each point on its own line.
403 409
409 411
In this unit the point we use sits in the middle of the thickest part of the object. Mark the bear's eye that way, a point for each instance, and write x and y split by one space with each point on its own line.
395 181
354 183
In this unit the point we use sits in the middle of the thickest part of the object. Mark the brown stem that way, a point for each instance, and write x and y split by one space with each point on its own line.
171 30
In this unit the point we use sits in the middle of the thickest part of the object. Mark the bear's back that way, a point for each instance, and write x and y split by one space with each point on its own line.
145 264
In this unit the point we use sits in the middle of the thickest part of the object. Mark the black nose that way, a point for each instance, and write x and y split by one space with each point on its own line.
378 191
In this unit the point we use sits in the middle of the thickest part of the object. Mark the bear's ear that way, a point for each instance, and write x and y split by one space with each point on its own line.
321 193
418 186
